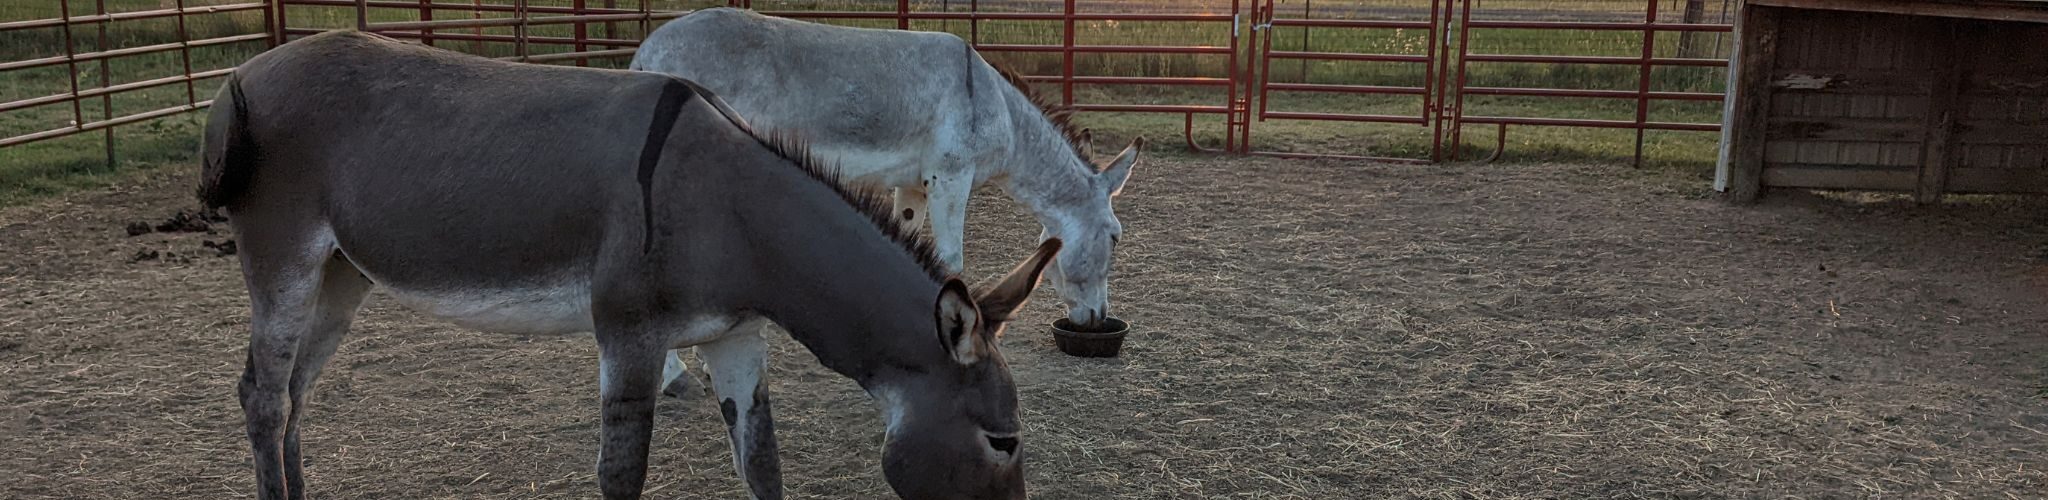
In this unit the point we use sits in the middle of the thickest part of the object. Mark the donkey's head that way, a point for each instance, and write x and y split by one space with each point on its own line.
952 428
1081 273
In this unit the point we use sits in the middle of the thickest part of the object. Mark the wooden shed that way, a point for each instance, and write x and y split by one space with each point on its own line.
1929 97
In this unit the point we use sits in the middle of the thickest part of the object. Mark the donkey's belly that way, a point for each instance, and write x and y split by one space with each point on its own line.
548 310
872 166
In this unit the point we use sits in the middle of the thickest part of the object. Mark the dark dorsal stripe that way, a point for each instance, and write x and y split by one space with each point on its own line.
673 94
1058 115
973 119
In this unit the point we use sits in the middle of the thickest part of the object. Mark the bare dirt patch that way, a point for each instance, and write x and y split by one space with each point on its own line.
1301 330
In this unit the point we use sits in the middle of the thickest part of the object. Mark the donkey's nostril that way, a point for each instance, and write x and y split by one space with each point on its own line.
1003 444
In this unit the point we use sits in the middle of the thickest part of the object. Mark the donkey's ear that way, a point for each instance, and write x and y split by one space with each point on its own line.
958 319
1087 144
1113 177
1001 300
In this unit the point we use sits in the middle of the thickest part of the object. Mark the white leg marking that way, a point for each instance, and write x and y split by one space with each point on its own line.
738 363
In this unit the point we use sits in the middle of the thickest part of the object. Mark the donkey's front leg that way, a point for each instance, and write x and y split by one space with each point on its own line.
629 379
737 364
910 207
947 199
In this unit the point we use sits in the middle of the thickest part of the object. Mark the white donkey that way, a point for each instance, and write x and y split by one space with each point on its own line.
919 112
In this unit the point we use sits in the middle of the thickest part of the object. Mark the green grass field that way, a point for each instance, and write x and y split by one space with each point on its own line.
54 166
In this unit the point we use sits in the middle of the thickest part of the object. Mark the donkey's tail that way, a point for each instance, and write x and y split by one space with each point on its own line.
229 153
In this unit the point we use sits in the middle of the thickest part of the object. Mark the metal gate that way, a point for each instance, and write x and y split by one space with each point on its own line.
1427 94
1437 67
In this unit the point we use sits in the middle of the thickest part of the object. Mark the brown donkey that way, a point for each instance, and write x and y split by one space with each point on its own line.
532 199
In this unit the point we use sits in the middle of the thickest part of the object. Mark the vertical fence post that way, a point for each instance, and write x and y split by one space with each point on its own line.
611 29
1432 87
1238 125
1264 56
1643 78
106 80
185 56
519 29
274 21
582 31
1428 68
427 14
1457 84
903 14
1067 56
1443 71
476 11
974 23
1239 75
362 15
71 65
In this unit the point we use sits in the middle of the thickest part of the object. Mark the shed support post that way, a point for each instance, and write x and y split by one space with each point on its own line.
1758 32
1944 109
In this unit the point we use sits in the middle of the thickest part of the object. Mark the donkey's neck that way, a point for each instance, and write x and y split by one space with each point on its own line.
851 294
1043 173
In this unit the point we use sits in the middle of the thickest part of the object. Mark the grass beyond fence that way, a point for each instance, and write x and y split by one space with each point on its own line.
81 160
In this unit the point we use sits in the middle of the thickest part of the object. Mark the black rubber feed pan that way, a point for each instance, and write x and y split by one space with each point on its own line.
1098 343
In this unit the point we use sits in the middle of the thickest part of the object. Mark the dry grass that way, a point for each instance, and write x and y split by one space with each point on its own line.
1304 330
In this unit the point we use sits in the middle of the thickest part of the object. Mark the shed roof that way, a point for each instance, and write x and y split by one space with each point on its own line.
2001 10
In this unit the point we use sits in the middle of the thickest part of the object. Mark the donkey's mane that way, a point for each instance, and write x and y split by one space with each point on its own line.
1060 116
879 209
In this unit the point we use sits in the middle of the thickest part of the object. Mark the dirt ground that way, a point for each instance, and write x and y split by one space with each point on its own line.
1303 330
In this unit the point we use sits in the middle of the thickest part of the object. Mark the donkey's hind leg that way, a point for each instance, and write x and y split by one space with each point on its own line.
342 288
629 380
738 363
284 276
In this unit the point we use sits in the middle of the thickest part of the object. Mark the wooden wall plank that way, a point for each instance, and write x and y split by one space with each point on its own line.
1901 154
1860 82
1843 129
2034 84
1861 153
1965 180
1914 106
2002 132
1812 176
2030 157
1998 180
1781 152
1979 156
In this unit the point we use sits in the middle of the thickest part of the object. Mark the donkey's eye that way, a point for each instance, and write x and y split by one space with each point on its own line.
1003 444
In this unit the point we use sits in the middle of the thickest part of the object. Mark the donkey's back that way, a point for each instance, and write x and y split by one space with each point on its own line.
478 191
889 101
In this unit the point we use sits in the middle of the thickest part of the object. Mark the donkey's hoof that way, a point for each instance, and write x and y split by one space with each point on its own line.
678 388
